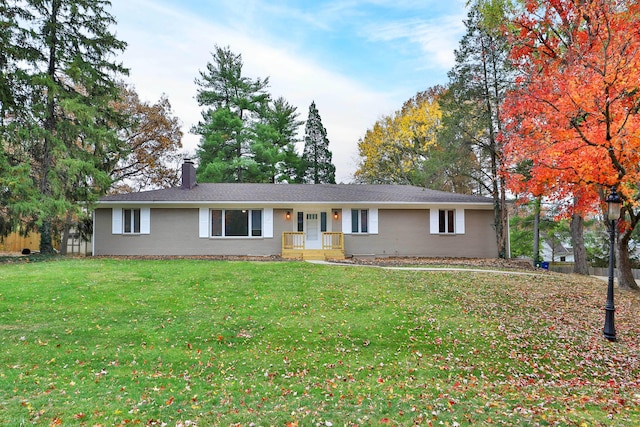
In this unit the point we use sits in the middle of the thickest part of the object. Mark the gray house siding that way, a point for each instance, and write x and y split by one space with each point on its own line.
401 232
395 220
406 233
174 231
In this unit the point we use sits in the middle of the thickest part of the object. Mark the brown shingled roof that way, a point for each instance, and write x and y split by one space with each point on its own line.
265 193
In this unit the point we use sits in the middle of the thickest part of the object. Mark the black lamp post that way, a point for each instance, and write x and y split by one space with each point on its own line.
613 213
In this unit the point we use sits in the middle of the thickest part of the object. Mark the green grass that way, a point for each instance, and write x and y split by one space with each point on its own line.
191 342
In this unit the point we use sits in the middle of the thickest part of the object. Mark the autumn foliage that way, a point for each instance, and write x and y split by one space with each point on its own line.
394 148
573 116
152 140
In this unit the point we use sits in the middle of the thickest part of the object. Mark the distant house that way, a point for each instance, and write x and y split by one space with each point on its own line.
555 251
294 221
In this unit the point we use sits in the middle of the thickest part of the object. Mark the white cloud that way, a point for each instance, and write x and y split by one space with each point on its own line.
437 39
169 45
346 107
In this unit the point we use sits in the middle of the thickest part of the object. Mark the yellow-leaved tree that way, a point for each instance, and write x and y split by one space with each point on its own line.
394 149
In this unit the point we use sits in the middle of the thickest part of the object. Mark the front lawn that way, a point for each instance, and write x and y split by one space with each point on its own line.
193 342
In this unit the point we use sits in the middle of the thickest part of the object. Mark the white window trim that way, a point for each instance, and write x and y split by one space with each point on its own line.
145 220
204 224
117 221
267 223
459 226
434 221
372 217
373 221
204 228
346 221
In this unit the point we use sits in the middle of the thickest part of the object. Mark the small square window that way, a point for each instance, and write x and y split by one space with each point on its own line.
446 221
131 221
359 220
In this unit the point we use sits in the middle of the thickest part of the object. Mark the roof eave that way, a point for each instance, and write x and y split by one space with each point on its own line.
335 204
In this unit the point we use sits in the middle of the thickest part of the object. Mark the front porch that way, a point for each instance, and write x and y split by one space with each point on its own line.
293 246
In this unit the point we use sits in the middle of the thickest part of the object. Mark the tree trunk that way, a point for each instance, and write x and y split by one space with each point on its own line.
498 214
624 273
536 233
504 219
65 234
46 238
47 160
579 250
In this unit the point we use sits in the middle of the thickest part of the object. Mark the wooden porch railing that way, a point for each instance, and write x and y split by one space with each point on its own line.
295 240
293 246
332 241
292 240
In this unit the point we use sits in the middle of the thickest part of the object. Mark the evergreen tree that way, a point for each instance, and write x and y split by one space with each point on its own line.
316 158
275 145
233 104
59 54
12 39
17 195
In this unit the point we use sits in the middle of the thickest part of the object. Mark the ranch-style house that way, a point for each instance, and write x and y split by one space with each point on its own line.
310 221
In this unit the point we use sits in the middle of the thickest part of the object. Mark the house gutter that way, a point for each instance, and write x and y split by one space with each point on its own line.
288 204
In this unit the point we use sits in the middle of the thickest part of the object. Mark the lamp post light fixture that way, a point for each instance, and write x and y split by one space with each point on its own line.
613 214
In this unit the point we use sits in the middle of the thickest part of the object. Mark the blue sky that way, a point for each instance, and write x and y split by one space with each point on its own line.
357 59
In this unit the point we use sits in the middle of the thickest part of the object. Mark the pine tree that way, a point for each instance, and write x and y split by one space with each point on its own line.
316 158
274 148
17 195
233 104
65 80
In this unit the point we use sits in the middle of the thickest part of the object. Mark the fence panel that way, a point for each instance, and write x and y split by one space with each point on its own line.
14 242
593 271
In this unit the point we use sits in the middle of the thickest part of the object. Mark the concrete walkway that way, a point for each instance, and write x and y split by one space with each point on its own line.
454 269
615 280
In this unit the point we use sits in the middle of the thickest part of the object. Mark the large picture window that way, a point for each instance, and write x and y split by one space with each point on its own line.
236 223
359 220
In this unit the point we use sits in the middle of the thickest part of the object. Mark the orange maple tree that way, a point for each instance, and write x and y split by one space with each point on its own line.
573 116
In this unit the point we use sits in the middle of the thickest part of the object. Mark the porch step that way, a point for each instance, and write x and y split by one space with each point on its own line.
309 256
313 254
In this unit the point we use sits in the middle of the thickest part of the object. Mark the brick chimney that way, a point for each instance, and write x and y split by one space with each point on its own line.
188 175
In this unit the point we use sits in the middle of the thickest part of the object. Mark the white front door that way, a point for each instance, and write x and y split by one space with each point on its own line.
313 236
